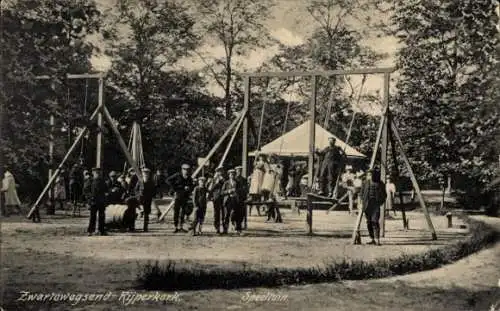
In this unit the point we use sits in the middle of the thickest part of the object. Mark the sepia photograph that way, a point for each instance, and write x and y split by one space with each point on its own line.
250 155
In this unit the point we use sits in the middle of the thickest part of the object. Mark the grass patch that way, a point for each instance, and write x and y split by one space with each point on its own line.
157 276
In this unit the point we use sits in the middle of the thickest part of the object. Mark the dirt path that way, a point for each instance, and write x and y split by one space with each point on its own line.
469 284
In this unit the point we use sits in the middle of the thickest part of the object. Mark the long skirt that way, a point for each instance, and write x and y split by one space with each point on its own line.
256 181
269 182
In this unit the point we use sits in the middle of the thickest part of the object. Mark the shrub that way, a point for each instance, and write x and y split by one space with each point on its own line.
154 276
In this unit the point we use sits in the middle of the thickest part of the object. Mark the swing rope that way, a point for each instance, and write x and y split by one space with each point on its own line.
82 148
262 113
286 118
349 131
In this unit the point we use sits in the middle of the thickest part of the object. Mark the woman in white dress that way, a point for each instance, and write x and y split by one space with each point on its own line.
11 200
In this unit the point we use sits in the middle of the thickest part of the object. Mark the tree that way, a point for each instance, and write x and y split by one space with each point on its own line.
145 40
334 44
237 25
445 67
40 37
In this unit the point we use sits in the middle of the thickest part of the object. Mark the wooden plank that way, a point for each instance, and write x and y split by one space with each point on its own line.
97 75
58 170
414 181
313 73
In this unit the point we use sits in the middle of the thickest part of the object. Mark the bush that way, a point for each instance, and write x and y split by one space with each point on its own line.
154 276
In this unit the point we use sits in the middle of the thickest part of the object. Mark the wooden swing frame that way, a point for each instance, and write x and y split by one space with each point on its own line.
100 112
387 129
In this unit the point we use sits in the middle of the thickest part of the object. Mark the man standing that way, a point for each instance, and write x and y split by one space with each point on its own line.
373 195
215 192
348 183
132 181
332 159
183 187
146 193
76 184
242 188
231 201
159 181
97 202
116 192
391 192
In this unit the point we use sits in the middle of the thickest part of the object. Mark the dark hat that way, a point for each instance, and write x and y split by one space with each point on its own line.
231 171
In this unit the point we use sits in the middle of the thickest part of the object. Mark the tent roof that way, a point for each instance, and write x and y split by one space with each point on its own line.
296 143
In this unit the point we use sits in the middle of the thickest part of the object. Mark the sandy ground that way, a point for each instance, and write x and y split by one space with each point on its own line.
55 257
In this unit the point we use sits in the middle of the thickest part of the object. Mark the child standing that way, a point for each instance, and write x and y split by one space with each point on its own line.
200 204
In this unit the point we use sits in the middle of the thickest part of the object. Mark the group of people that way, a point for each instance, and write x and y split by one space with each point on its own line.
228 195
115 189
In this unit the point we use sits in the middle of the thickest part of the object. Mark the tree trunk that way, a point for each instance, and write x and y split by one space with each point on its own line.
227 89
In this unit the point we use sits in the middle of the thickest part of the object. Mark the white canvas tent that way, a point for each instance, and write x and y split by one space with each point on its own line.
296 143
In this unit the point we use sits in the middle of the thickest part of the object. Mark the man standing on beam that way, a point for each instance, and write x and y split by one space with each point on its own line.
330 166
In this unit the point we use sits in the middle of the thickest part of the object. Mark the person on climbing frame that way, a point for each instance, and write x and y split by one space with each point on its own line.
333 157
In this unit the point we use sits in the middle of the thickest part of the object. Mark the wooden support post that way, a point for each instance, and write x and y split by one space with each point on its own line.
228 147
244 153
309 213
356 234
383 156
99 124
123 146
51 163
218 143
414 181
57 171
396 166
312 131
246 107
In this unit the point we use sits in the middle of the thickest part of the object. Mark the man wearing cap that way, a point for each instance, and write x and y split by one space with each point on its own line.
146 192
242 188
231 202
215 194
183 186
348 183
132 181
97 202
116 192
333 157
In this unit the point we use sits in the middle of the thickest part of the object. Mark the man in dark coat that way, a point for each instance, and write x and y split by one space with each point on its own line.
146 193
231 202
215 194
242 188
76 183
116 191
373 195
333 158
97 202
183 187
132 182
159 181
